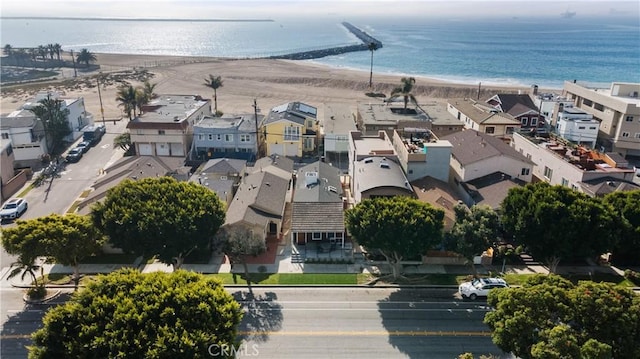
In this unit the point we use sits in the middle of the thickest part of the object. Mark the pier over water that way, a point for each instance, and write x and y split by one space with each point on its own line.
366 39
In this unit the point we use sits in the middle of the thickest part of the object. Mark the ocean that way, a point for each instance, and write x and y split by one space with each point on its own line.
497 51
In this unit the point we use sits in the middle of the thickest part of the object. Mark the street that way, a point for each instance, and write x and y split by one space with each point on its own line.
326 322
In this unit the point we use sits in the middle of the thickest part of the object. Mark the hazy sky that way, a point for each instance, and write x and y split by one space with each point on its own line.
204 9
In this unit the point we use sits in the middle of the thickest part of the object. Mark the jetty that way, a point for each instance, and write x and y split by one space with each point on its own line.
366 39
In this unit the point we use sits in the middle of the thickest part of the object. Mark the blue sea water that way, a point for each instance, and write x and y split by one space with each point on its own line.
510 51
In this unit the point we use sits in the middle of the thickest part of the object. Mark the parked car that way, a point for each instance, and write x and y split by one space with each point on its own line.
480 287
74 155
13 209
84 146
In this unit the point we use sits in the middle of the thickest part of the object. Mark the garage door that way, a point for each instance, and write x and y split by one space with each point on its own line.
277 149
291 150
162 149
177 150
145 149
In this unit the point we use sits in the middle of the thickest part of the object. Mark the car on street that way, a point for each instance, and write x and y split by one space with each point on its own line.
13 209
84 146
480 287
74 155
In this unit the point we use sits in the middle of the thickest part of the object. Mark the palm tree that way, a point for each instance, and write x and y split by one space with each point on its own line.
58 49
214 82
52 50
54 120
8 50
42 52
86 56
126 96
148 89
404 90
372 47
25 265
123 141
141 99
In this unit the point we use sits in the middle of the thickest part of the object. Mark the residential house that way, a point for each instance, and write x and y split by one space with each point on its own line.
442 122
10 180
549 103
439 194
483 118
484 167
166 126
421 153
226 137
291 130
602 186
577 126
318 211
337 122
560 164
520 107
221 175
25 132
374 168
374 117
616 108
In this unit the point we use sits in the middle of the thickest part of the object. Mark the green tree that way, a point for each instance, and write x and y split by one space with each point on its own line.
42 52
54 121
238 243
148 88
548 314
57 48
474 231
405 90
214 82
627 249
51 50
555 223
398 227
22 240
123 141
85 56
372 46
142 99
127 314
126 98
7 50
159 216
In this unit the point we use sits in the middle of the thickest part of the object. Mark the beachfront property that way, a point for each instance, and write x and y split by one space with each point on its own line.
291 129
483 118
520 107
374 117
11 180
226 137
576 167
577 126
617 108
335 124
484 167
375 168
549 105
221 175
421 153
165 128
442 123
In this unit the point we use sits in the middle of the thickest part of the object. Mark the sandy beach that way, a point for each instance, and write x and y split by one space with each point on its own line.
270 82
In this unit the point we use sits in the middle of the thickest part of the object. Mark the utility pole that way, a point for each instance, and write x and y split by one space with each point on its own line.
100 97
255 114
73 59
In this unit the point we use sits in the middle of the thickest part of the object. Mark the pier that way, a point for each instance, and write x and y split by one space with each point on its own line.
318 53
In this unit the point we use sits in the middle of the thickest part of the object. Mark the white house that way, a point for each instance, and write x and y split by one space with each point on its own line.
26 134
577 126
337 122
77 117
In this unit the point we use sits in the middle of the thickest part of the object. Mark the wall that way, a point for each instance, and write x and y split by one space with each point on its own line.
275 136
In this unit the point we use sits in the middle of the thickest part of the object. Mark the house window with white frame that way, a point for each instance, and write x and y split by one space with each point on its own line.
317 236
548 173
626 134
490 129
228 137
565 182
308 143
5 136
292 133
524 172
161 132
534 121
245 138
210 137
629 119
219 137
524 121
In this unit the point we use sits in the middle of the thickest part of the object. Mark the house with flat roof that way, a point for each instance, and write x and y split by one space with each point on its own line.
291 129
577 126
165 127
231 136
483 118
442 122
617 108
565 164
421 153
318 210
375 169
520 107
374 117
335 124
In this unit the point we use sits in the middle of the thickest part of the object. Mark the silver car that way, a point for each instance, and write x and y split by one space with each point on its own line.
13 209
480 287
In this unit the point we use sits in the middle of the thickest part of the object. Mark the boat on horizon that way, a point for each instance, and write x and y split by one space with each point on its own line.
568 14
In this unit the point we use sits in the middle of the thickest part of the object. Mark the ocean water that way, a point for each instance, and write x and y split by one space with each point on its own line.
510 51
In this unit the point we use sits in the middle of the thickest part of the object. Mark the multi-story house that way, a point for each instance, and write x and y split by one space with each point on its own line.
572 166
374 117
520 107
166 126
77 117
577 126
421 153
10 180
337 122
483 118
291 130
618 111
230 137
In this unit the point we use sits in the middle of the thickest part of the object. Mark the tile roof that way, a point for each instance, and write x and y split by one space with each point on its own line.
471 146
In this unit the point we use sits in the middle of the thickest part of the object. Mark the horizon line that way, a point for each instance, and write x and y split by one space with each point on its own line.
129 19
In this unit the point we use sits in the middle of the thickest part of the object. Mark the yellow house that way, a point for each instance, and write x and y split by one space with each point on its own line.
291 130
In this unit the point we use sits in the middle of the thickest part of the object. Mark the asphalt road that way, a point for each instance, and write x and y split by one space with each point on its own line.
58 195
321 323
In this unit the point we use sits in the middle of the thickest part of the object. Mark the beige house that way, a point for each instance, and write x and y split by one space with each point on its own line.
618 111
483 118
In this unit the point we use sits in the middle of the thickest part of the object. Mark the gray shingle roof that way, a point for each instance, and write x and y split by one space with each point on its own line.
259 198
513 104
295 112
318 182
223 166
317 217
605 185
471 146
491 189
276 164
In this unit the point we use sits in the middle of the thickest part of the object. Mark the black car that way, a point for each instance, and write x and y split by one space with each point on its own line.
74 155
84 146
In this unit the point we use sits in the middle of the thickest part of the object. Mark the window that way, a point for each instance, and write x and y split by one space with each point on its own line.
245 138
574 187
317 236
510 130
524 121
565 182
534 121
9 150
587 102
228 137
625 134
292 133
490 129
637 135
548 173
598 107
219 137
161 132
592 127
524 172
581 127
210 137
528 156
308 143
5 136
629 119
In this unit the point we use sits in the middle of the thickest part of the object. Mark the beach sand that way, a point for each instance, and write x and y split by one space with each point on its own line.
270 82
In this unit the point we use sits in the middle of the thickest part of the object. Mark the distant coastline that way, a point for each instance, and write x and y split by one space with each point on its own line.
128 19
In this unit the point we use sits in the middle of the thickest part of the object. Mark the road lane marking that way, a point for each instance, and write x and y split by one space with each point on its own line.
397 333
369 309
15 336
